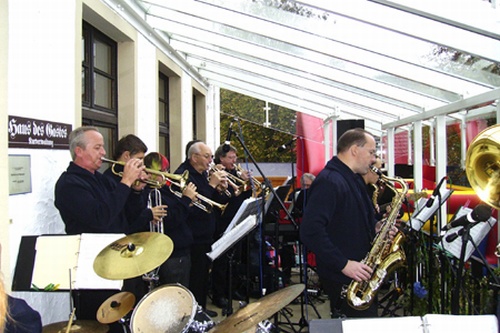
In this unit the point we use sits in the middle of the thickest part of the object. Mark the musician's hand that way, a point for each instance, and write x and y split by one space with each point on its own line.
159 212
133 171
190 191
217 178
245 175
357 271
379 225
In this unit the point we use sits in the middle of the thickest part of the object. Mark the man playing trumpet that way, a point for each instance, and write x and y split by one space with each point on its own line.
202 223
90 202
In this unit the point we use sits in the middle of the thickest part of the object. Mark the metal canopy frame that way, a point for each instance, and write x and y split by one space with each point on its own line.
382 61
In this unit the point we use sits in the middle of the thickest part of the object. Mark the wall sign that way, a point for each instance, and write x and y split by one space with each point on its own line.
19 174
34 133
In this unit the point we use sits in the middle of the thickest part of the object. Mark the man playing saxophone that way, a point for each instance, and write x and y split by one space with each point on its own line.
339 224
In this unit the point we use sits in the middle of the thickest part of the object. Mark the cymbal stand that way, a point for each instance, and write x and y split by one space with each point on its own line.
154 199
268 183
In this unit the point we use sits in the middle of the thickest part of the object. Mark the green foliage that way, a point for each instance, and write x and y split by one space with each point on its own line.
261 141
439 269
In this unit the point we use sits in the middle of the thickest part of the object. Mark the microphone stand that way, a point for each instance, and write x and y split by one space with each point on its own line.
455 296
268 184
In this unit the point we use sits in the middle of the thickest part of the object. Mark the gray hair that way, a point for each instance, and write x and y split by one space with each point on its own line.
195 149
77 138
307 175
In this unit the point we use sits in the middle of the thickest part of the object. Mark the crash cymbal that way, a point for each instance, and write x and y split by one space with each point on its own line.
133 255
252 314
78 326
115 307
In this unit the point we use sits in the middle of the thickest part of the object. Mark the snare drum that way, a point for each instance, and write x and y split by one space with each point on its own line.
170 309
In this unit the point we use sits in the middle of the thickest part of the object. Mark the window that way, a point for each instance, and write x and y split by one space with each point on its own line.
164 115
99 84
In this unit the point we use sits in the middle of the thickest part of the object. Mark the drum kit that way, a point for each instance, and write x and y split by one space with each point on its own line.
169 308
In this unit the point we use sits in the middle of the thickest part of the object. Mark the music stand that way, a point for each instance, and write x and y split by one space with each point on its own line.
243 222
427 209
273 205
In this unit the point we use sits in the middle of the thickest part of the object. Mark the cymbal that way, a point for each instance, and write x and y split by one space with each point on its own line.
133 255
115 307
79 326
252 314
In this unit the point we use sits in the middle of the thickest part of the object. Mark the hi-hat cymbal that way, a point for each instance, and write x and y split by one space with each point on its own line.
79 326
133 255
252 314
115 307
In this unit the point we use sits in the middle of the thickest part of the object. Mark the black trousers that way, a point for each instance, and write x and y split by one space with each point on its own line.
199 273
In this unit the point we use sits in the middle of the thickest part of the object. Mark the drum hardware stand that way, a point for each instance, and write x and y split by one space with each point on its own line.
229 308
389 309
268 184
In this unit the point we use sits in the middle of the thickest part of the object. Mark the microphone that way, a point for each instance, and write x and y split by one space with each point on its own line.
227 144
434 194
480 213
455 235
284 147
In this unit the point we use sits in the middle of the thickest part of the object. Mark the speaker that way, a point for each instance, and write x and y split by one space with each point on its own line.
345 125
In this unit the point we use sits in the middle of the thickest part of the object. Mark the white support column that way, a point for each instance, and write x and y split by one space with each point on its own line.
418 156
432 151
390 152
498 122
327 134
410 150
442 157
463 142
212 108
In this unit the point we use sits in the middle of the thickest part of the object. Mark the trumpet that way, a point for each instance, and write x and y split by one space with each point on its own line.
257 186
202 202
222 188
155 183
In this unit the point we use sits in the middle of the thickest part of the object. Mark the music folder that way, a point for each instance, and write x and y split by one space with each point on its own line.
423 213
477 232
63 260
245 220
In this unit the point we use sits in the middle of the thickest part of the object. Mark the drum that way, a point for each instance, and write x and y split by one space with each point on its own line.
171 309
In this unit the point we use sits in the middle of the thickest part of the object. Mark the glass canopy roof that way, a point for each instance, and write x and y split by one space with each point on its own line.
383 61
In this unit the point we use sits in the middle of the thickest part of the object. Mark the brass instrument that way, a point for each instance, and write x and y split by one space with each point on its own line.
257 185
155 183
385 255
203 202
172 179
482 166
223 188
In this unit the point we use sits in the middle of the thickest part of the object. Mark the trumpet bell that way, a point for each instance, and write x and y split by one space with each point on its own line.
482 165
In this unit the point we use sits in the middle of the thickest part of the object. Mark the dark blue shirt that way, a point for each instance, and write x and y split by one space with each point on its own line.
338 222
92 203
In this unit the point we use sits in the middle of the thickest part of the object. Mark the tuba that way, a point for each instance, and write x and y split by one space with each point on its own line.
385 255
482 166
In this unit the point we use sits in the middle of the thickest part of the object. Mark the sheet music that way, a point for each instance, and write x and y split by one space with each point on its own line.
233 236
477 233
250 206
61 258
90 246
410 324
423 213
430 323
55 257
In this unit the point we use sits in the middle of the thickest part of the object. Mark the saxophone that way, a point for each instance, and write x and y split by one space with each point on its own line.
385 255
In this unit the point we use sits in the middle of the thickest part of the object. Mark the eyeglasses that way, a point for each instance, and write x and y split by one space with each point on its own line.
207 156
